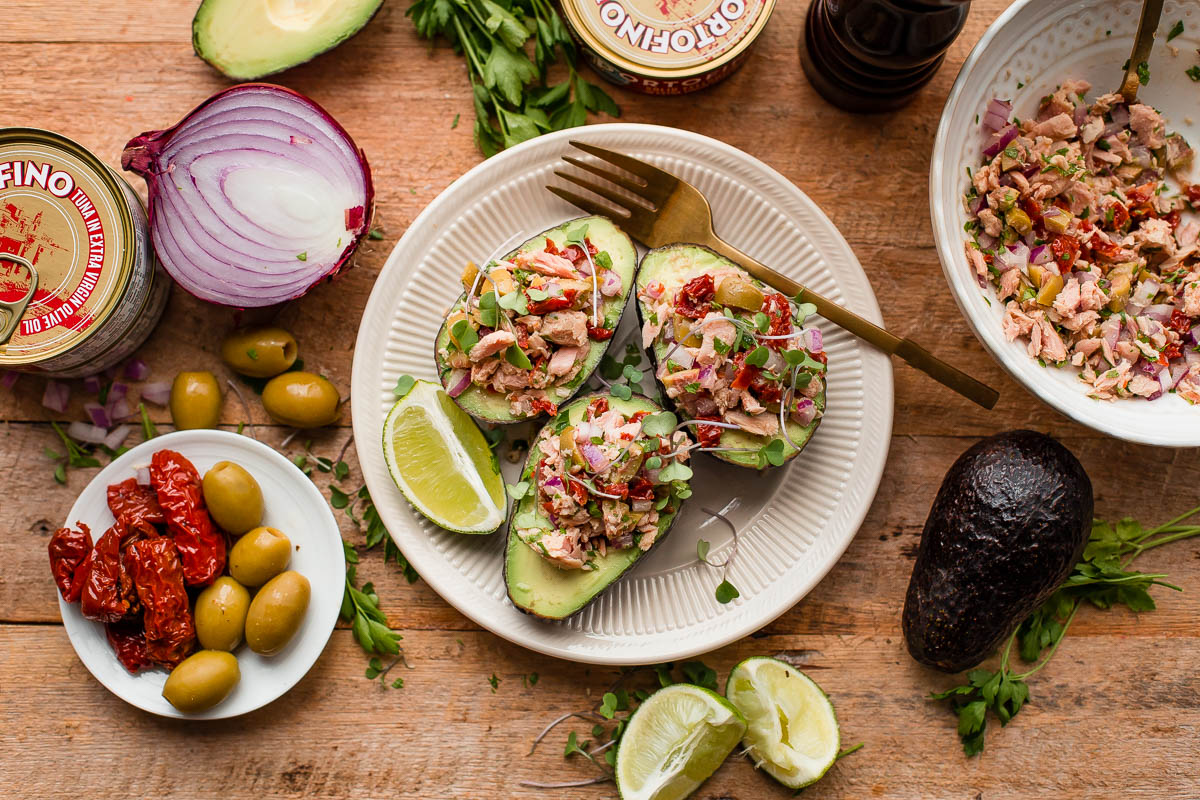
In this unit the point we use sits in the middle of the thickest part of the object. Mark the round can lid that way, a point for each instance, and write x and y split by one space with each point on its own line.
61 211
679 37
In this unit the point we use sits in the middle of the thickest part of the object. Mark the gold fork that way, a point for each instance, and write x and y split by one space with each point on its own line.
672 210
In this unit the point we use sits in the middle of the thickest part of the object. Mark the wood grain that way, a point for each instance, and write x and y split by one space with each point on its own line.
1118 711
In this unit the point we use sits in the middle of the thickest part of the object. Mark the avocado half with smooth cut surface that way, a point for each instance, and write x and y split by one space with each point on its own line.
538 587
605 236
674 265
248 39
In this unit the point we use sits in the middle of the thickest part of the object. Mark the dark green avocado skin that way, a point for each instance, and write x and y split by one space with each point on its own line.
1008 524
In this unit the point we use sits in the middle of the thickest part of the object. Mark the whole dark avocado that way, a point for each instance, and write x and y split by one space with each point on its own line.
1008 524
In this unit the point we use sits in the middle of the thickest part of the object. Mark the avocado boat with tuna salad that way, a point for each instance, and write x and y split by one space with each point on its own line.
603 483
531 327
731 354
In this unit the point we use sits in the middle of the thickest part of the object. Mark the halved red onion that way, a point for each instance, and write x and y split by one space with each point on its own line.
82 432
255 196
137 370
8 378
116 437
457 382
158 392
98 415
56 396
610 284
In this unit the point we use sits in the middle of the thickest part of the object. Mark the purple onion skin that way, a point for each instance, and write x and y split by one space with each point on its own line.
142 150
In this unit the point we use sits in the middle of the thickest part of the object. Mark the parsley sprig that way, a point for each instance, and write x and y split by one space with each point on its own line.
513 99
1102 579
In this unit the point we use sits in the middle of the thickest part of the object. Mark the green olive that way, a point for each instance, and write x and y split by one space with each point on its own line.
233 497
195 401
276 613
259 352
259 556
221 614
739 293
202 680
301 399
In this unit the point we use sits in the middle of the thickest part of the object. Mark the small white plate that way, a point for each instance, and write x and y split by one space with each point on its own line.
1027 52
293 504
793 522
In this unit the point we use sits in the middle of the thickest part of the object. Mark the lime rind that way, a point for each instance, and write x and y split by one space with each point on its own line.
454 444
675 740
792 732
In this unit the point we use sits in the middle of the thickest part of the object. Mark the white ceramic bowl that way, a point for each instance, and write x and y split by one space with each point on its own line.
1039 43
293 504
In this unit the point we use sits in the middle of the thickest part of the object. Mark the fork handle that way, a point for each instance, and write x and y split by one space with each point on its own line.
905 349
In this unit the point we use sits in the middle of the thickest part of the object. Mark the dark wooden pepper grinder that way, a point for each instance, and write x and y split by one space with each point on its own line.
875 55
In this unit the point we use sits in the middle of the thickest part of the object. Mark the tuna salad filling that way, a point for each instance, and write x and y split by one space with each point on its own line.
525 326
1072 221
603 483
737 355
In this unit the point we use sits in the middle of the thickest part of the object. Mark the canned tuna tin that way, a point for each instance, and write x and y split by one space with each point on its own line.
79 285
666 46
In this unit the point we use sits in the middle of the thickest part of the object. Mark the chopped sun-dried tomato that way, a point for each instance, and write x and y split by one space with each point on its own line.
641 489
598 406
709 435
779 311
695 297
1172 218
1171 351
637 415
1066 250
1180 322
1120 215
578 491
1192 191
540 404
600 334
564 300
745 373
1141 194
619 489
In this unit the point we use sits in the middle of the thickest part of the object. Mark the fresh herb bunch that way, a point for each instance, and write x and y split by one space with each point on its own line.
1103 579
513 99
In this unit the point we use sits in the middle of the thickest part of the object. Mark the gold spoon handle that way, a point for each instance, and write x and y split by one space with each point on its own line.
1142 43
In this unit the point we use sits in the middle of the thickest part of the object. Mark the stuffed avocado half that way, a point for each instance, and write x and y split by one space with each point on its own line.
603 483
732 351
531 327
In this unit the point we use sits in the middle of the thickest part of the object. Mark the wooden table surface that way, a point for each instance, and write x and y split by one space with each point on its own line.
1117 711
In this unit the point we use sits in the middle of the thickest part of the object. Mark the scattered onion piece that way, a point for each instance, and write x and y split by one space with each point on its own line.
98 415
143 476
255 196
82 432
137 370
56 396
158 392
91 384
117 436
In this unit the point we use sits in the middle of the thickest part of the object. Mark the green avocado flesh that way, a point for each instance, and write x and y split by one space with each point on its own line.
247 39
490 406
537 586
675 265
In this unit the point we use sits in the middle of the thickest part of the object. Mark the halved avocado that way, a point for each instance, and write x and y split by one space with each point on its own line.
247 39
605 236
537 586
675 265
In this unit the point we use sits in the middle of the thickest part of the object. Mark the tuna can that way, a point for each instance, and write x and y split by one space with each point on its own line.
666 46
80 288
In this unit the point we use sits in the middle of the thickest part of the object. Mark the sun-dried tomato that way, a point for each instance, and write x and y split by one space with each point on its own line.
538 405
128 641
765 389
1180 322
709 435
108 593
1066 250
1170 352
638 415
1033 209
1142 211
69 551
564 300
1172 218
599 333
745 373
621 490
1141 194
134 501
1109 251
159 577
201 545
695 297
578 491
641 489
598 406
1120 215
779 311
1192 191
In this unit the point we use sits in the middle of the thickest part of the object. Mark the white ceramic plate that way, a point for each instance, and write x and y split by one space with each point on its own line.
293 505
793 522
1040 44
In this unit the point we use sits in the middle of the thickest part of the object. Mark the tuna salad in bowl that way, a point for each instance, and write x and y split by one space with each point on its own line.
1066 218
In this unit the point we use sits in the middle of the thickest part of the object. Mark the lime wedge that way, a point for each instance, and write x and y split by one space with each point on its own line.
674 741
793 733
442 463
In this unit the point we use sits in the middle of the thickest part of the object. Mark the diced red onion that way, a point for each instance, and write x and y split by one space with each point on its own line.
554 482
457 382
978 204
8 378
1191 357
986 241
1120 114
242 213
91 384
805 411
1134 309
642 506
776 363
1085 277
1080 115
1003 138
610 284
1177 372
585 267
1160 312
1040 254
1140 155
1145 292
158 392
683 357
137 370
816 342
143 476
1014 257
654 290
118 390
82 432
116 436
997 114
118 408
98 415
56 396
594 456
